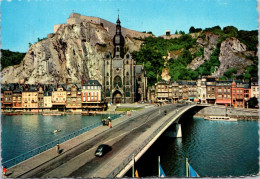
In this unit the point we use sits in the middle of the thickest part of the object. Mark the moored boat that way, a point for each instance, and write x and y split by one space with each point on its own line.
220 118
46 114
56 130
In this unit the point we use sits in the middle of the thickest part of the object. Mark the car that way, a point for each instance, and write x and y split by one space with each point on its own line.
102 150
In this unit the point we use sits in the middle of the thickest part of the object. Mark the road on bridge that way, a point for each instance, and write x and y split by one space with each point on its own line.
81 161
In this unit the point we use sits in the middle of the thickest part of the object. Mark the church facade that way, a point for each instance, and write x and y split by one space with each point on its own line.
124 81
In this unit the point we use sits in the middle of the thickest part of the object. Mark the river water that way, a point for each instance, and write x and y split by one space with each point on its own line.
214 148
22 133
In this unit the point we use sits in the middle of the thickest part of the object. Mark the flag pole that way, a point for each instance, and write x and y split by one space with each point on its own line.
133 168
187 172
158 166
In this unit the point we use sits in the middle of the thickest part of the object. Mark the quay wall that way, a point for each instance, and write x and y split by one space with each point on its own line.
239 113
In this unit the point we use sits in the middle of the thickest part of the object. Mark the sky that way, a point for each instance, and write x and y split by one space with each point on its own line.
24 21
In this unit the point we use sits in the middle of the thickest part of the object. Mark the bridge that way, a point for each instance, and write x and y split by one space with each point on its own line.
130 137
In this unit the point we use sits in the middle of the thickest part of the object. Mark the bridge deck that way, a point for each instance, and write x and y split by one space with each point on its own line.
37 166
37 162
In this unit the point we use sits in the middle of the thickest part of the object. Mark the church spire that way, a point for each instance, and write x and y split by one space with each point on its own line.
118 40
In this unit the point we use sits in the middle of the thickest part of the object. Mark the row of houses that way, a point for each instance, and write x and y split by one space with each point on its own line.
61 97
206 90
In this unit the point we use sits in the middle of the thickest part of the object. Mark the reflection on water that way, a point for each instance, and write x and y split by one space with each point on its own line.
214 148
23 133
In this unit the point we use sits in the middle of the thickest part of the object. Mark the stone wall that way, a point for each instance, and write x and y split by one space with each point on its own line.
239 113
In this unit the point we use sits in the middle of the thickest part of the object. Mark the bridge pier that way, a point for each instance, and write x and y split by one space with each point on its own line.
174 130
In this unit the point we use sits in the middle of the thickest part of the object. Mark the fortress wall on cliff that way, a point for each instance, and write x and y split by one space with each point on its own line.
238 113
110 27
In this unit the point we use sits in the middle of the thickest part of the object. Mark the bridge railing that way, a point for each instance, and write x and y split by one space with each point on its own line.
38 150
136 151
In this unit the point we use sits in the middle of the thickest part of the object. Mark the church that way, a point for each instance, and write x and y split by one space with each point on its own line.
124 80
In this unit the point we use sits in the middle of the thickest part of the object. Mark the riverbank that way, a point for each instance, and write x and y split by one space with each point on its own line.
238 113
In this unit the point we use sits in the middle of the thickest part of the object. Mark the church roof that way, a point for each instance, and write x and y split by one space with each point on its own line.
92 83
138 69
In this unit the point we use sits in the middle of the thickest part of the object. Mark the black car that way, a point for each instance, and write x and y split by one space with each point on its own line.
102 150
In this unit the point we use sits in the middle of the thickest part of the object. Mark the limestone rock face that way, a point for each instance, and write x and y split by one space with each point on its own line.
209 44
75 51
233 54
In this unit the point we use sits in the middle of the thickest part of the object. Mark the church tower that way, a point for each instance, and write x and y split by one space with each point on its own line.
118 41
121 74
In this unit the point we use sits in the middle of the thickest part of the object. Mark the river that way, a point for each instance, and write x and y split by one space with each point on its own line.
214 148
22 133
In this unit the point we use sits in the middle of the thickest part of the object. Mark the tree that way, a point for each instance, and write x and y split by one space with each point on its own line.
181 32
253 102
192 29
176 32
231 30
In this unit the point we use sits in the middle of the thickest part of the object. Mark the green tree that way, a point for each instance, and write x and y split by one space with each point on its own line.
231 30
192 29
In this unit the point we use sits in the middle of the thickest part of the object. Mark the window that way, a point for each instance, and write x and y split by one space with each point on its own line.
127 56
107 63
117 81
127 74
117 49
107 83
107 74
107 93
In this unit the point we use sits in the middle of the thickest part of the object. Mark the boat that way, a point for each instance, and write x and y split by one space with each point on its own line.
220 118
46 114
12 114
56 130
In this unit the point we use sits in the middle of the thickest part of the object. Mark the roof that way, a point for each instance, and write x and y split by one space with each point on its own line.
92 83
224 83
138 69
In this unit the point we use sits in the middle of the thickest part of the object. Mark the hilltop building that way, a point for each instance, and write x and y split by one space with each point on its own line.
124 81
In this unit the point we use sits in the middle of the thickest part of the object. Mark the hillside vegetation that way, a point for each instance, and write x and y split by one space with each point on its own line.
154 49
9 58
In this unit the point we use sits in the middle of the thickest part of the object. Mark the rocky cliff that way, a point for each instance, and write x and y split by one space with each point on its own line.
233 53
74 52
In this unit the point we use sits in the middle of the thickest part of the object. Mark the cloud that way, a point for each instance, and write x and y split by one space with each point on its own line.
9 0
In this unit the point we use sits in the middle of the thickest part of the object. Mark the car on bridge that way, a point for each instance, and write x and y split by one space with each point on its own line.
102 150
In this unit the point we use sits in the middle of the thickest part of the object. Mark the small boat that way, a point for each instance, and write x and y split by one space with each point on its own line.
220 118
12 114
56 130
46 114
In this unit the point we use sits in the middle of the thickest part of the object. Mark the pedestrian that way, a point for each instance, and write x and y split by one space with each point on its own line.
4 171
109 124
58 148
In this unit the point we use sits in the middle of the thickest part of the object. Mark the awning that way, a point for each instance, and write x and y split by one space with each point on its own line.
196 100
223 101
191 97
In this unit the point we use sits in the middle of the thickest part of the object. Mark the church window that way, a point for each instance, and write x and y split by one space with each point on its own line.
117 49
127 74
139 78
127 92
127 56
107 63
118 82
127 61
127 82
107 74
107 83
107 93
